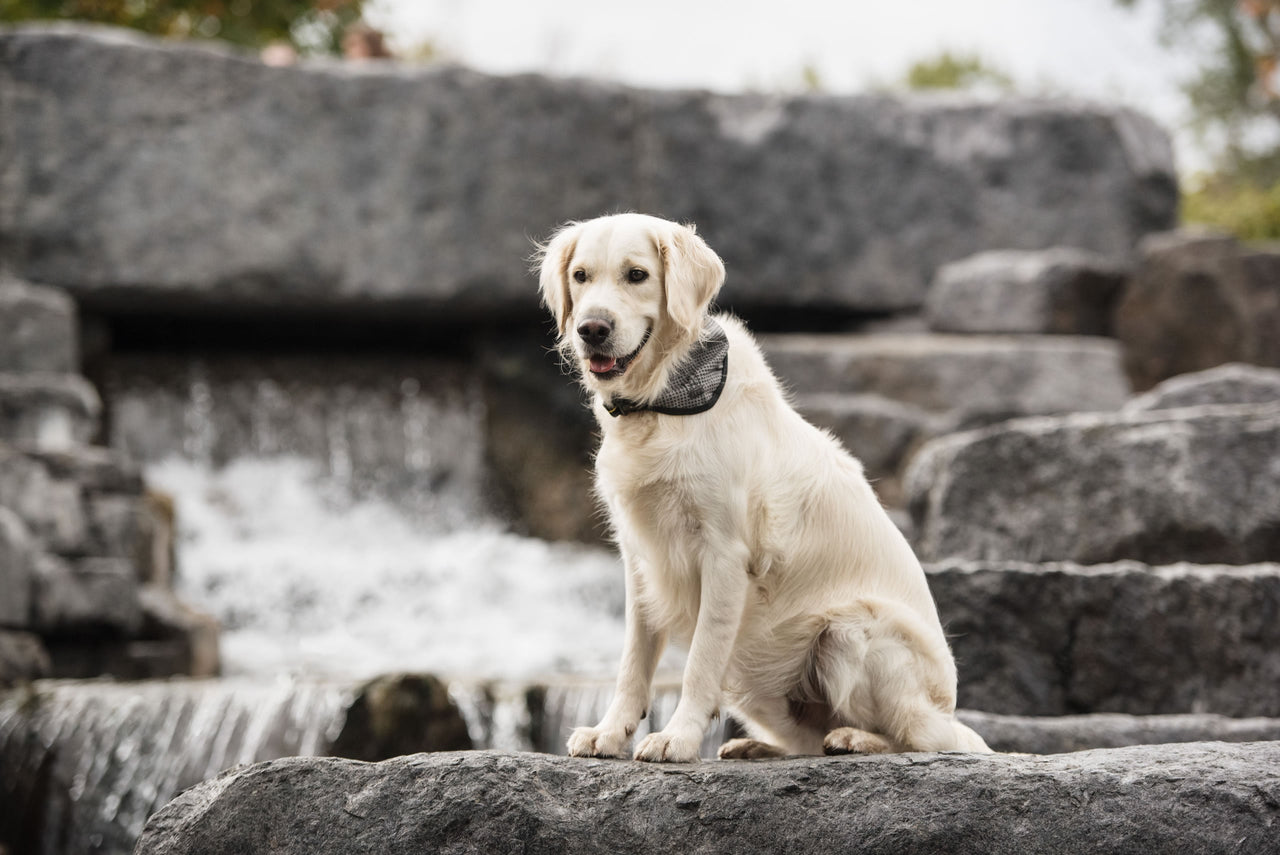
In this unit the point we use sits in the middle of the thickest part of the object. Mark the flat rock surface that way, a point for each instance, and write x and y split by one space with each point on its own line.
1061 638
144 174
1191 484
1066 733
1193 798
1059 291
973 378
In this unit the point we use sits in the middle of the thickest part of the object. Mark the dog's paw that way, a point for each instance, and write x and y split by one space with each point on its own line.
664 747
749 749
851 740
598 742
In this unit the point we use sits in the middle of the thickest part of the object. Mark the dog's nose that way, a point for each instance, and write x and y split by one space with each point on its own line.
595 331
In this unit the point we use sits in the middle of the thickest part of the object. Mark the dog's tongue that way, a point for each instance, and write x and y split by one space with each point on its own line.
602 364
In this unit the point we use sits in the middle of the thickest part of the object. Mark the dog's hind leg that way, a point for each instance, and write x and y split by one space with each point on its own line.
891 680
779 727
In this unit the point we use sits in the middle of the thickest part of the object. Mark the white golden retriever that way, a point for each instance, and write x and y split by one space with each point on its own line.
746 533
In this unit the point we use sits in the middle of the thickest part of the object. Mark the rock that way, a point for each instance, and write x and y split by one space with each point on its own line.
1233 383
47 411
1200 797
51 507
16 557
1198 300
37 328
82 501
1056 639
23 658
416 189
885 394
1059 291
1196 484
1061 734
974 379
91 597
190 637
401 714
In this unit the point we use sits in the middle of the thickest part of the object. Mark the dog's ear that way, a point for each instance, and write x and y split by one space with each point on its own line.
552 260
692 274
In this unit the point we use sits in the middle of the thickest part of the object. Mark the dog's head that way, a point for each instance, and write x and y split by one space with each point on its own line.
629 293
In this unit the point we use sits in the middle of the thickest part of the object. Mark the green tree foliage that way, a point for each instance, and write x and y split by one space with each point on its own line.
311 26
1234 98
950 71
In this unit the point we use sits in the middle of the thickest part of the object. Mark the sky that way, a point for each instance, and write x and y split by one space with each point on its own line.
1086 48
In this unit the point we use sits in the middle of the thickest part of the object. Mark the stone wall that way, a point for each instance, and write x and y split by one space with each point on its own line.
86 551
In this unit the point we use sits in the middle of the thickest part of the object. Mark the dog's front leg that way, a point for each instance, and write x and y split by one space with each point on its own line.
724 596
640 651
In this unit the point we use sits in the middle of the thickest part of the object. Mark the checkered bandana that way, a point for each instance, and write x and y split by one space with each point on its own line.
695 384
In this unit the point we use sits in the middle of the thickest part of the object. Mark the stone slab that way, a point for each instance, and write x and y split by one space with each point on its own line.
145 175
973 379
1058 291
1191 484
1058 639
38 330
1202 798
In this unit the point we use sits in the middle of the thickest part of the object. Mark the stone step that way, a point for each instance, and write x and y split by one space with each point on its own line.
1188 484
1062 291
38 330
1067 733
1055 639
1199 797
885 394
47 411
977 379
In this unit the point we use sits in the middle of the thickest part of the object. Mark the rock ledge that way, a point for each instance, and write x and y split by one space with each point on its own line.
1193 798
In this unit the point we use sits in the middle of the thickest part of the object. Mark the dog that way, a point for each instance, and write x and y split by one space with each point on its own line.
747 535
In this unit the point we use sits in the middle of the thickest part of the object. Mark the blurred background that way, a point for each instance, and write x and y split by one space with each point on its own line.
1206 69
288 464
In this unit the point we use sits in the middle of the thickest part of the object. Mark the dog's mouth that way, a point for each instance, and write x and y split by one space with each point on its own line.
607 367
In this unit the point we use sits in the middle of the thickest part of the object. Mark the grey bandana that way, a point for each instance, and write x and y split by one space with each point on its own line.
695 384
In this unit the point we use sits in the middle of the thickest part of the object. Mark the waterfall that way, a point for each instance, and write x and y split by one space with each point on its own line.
333 515
92 760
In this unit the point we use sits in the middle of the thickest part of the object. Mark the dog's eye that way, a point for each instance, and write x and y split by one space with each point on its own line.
579 276
635 274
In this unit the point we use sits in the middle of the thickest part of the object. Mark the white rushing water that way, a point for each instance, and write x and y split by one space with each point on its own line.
307 580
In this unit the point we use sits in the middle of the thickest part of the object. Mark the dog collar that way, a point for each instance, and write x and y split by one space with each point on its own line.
695 384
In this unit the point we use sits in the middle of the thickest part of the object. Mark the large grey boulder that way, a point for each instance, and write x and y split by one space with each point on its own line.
145 173
1198 300
38 330
1056 639
1059 291
1193 484
1196 798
